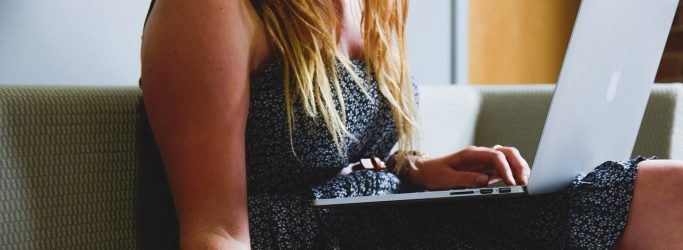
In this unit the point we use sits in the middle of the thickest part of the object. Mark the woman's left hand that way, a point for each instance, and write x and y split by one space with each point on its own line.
470 167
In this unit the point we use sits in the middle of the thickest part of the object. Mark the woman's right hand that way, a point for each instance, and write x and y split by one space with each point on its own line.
470 167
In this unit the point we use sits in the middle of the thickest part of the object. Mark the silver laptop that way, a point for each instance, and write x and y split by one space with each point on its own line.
598 103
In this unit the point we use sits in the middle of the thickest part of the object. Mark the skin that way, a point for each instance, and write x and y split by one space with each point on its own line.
655 218
196 75
470 167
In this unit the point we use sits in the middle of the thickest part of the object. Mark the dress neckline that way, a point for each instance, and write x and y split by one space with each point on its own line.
276 63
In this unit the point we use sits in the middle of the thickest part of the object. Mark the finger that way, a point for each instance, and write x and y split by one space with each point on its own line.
469 179
518 164
459 179
377 163
478 156
488 170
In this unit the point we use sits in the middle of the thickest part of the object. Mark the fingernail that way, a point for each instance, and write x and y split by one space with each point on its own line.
367 163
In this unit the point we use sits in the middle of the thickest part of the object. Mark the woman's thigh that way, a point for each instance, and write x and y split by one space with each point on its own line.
656 213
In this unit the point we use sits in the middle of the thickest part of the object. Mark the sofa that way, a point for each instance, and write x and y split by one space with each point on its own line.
79 168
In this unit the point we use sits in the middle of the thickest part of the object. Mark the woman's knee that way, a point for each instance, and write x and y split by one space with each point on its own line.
658 188
654 216
660 174
661 164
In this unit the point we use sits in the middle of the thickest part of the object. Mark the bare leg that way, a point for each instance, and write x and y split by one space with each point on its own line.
655 219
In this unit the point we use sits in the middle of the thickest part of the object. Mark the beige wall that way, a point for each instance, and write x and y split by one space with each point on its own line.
518 41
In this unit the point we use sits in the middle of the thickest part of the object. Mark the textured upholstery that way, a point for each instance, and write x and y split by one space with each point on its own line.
661 132
79 168
513 116
68 168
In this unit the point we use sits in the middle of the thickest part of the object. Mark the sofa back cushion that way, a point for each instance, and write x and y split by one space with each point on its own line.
514 115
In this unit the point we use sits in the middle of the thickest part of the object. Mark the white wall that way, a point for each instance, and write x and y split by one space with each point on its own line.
86 42
429 41
74 42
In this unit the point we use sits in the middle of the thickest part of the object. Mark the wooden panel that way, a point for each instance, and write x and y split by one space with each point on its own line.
518 41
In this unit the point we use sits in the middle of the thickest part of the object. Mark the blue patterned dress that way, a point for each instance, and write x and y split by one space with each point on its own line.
283 178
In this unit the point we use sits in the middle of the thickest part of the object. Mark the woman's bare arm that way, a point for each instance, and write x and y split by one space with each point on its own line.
196 60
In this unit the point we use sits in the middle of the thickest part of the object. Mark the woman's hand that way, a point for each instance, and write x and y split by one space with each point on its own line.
470 167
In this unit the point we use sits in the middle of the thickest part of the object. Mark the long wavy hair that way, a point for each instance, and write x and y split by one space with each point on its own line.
305 34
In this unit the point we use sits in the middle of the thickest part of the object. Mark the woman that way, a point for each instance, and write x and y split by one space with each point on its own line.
259 106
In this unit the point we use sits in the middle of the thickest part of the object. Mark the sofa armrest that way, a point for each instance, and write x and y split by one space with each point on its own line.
515 115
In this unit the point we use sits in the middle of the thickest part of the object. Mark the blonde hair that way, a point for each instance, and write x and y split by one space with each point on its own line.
304 33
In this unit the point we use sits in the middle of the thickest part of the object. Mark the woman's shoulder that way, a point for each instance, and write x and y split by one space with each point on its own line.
236 18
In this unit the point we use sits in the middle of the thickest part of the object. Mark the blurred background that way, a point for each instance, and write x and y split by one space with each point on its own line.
80 42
